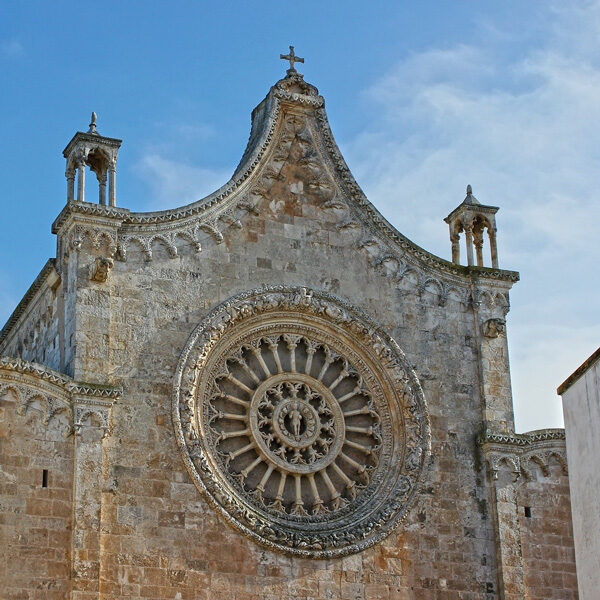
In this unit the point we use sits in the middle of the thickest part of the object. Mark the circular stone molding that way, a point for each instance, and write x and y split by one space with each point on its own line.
301 421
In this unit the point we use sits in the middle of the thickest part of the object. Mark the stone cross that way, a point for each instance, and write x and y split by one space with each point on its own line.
292 58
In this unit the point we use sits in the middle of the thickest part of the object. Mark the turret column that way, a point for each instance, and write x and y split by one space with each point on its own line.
81 180
102 187
112 184
70 175
478 241
493 248
455 240
469 236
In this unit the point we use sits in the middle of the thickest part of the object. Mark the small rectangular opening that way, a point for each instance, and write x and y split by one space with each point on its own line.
45 478
528 512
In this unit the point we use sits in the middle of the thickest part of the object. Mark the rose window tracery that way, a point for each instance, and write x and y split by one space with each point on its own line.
302 424
295 424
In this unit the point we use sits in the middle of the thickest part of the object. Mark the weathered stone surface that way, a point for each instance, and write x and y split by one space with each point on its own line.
292 219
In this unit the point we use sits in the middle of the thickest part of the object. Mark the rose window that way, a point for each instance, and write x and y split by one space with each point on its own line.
301 422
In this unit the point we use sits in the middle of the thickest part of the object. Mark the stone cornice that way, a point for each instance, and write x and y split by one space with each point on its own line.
88 209
40 280
71 388
92 138
521 440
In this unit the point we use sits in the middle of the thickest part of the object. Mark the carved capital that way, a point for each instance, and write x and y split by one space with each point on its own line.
92 416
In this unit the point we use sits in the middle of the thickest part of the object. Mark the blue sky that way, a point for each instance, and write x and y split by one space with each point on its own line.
423 98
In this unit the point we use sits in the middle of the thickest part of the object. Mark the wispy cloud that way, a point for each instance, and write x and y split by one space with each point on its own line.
173 183
525 133
11 48
171 178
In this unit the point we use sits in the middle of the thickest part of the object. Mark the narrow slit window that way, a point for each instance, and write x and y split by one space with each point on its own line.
45 478
528 512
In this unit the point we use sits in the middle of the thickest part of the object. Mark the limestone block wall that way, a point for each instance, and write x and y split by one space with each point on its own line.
161 538
532 514
51 461
36 484
544 508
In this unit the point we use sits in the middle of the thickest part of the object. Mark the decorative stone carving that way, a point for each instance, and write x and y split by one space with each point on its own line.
301 421
492 328
101 268
52 393
95 414
518 452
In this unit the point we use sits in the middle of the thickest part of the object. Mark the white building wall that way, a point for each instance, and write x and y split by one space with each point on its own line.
581 406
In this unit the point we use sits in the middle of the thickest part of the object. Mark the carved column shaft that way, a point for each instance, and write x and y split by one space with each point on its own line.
493 248
478 241
509 556
81 182
469 236
70 186
112 189
455 239
102 188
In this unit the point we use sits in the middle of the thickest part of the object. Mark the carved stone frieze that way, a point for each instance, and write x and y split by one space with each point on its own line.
92 413
52 393
30 397
521 453
98 237
301 421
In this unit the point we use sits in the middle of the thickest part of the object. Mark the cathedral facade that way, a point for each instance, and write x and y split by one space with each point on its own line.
270 394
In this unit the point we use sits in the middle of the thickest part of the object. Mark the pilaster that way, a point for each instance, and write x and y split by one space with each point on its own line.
91 427
86 247
509 556
490 307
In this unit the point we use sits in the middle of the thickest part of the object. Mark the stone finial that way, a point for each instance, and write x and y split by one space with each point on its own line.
293 59
470 199
92 128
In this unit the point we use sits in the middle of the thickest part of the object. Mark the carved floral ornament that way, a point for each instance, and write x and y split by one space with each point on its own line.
301 421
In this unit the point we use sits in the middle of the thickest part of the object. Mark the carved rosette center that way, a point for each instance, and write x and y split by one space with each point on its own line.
301 421
297 423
